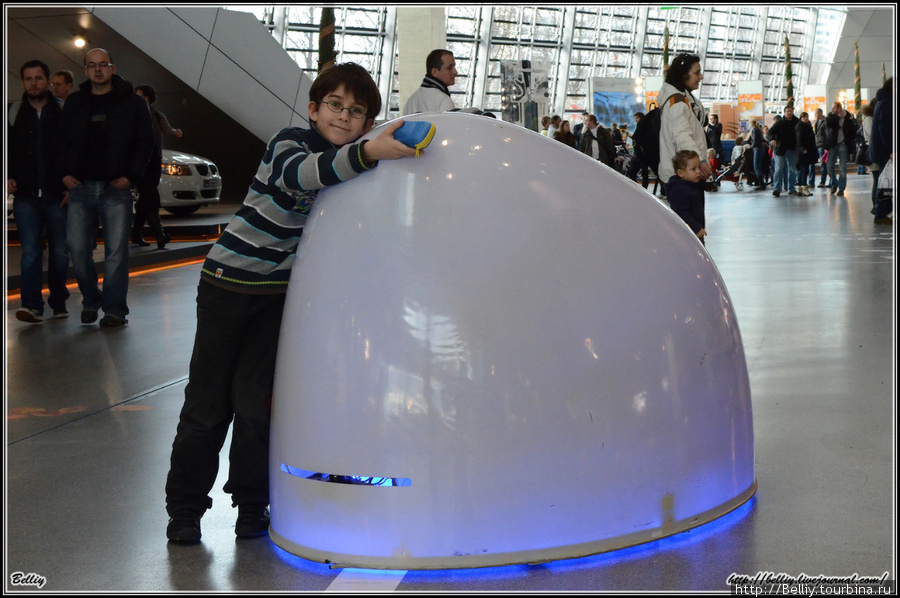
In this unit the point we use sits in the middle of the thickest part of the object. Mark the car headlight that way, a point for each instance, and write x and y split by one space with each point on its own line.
173 169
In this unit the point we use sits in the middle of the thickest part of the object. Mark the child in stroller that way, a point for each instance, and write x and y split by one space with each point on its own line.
713 184
741 167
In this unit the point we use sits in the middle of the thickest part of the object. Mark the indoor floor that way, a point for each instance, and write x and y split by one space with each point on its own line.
91 414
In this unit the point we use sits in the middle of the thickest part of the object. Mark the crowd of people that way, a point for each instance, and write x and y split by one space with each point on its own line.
76 159
784 156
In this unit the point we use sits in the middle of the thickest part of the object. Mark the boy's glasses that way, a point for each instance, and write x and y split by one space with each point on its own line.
336 106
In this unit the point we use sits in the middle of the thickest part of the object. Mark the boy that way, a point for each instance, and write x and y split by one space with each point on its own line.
685 191
241 296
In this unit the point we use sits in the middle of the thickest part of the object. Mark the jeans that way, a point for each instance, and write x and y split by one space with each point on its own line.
838 151
89 202
785 173
824 167
232 372
759 165
35 218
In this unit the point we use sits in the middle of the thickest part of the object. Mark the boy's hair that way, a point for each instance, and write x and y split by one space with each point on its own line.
32 64
710 152
148 92
680 160
355 79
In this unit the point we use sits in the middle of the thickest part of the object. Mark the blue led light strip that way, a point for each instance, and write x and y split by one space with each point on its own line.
345 479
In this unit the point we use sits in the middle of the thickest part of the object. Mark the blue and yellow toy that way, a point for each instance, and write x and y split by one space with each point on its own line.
415 134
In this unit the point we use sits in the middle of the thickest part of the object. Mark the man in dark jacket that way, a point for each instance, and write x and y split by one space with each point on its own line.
841 136
783 139
38 194
596 142
577 129
714 135
105 145
881 147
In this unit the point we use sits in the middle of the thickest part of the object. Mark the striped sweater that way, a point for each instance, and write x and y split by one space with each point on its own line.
256 251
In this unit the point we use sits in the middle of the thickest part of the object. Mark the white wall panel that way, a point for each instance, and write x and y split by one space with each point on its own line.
202 20
226 56
233 90
161 35
244 40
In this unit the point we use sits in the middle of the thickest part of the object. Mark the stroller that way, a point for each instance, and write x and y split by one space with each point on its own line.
739 169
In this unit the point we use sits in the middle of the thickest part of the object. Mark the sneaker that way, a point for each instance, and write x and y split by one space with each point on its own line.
821 185
111 321
833 190
59 314
840 193
792 193
88 316
886 220
27 314
252 522
776 193
183 529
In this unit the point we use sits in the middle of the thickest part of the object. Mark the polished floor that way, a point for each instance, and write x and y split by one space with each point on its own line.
91 414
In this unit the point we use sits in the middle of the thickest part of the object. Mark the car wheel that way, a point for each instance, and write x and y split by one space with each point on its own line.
184 211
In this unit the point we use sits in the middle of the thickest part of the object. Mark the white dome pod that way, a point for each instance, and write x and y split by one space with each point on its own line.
501 352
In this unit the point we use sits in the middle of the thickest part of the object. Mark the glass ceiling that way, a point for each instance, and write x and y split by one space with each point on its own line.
576 43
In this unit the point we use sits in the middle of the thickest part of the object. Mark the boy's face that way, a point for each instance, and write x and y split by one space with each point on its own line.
691 171
339 127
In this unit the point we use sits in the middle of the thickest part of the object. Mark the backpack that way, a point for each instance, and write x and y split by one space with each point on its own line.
646 139
646 134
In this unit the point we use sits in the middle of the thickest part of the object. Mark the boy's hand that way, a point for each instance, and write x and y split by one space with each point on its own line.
701 233
385 147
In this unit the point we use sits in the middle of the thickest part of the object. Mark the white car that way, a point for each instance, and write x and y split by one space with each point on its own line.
187 183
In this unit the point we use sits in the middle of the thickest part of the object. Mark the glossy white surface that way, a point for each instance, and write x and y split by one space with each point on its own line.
540 346
190 191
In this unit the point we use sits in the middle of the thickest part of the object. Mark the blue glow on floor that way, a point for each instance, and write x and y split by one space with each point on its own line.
677 542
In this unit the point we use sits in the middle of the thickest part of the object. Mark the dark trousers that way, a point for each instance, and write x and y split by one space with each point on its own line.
146 209
635 166
231 377
885 207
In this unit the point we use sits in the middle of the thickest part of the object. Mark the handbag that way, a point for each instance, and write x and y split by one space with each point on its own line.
885 190
862 154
